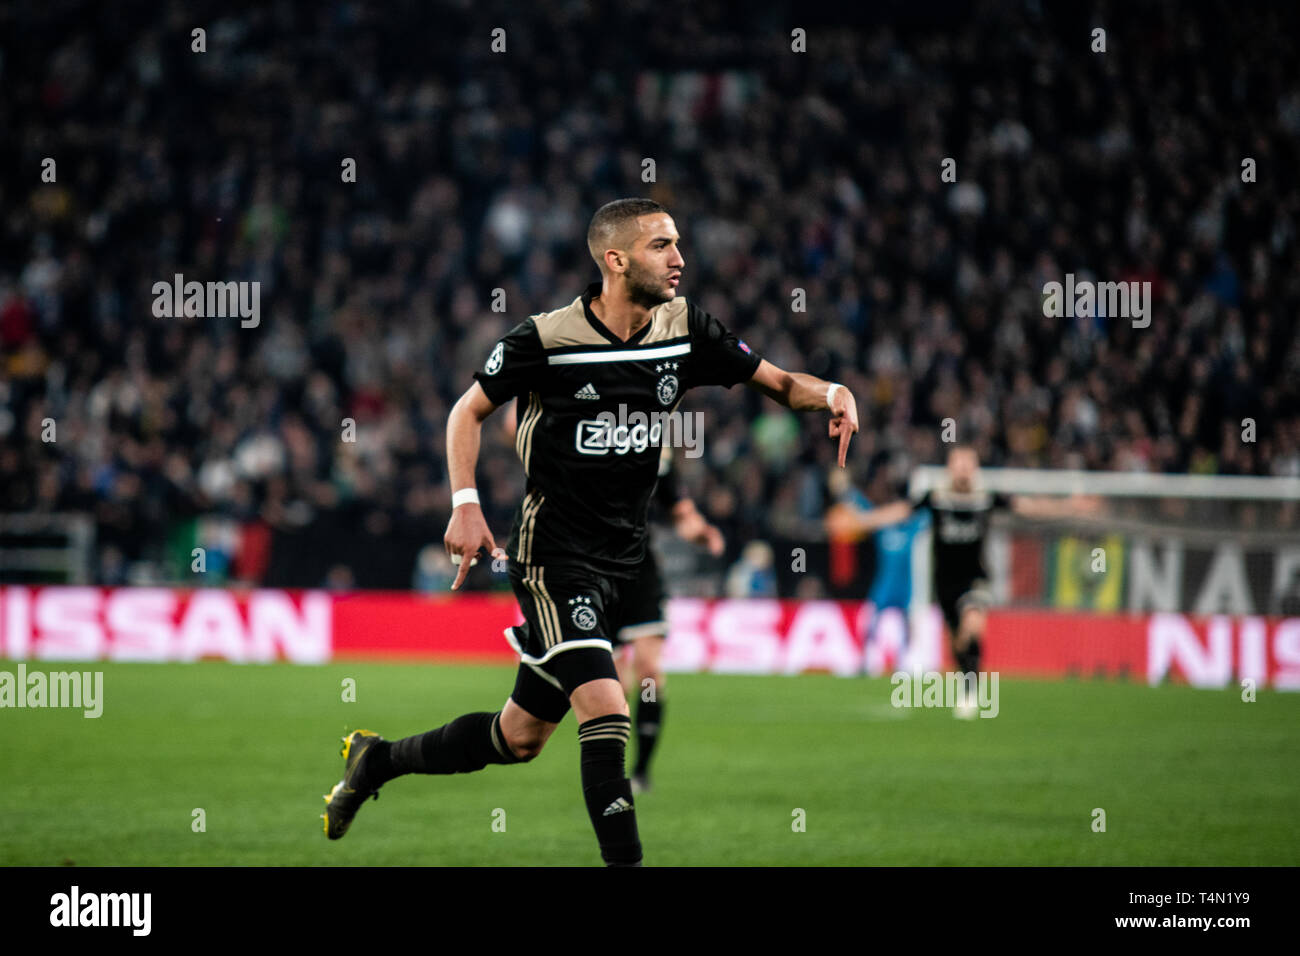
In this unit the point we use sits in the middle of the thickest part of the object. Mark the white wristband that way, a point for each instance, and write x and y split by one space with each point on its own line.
830 393
464 497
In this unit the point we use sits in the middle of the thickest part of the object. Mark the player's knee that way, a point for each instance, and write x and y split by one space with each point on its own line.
526 745
647 660
649 671
599 698
528 753
525 738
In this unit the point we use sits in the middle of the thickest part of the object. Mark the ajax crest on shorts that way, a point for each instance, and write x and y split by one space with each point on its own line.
584 617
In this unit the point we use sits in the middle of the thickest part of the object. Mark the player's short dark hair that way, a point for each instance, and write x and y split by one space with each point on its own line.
610 220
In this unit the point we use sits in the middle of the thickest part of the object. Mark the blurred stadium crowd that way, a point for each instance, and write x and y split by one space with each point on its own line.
476 171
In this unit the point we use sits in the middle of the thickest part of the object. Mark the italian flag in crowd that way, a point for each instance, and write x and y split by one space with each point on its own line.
216 550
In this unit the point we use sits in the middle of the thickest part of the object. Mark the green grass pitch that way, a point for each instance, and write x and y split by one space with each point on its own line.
1185 777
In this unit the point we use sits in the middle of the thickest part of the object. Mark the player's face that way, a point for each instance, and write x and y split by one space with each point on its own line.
654 262
962 465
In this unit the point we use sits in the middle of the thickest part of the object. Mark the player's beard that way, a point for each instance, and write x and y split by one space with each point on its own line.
644 288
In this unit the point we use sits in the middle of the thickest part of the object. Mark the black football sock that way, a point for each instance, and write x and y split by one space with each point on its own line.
605 787
973 654
649 720
468 743
965 659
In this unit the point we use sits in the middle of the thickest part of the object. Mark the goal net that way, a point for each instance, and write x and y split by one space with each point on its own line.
1207 566
1183 543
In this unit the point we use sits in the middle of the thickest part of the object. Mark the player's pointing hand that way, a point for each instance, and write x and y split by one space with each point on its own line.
467 534
844 418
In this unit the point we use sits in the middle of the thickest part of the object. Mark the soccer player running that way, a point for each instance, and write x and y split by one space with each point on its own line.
644 627
961 509
588 376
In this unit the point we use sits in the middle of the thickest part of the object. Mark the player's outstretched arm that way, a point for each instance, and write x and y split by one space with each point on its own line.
467 531
691 526
807 393
865 522
1027 506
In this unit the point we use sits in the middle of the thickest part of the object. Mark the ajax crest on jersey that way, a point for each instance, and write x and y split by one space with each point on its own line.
667 387
495 359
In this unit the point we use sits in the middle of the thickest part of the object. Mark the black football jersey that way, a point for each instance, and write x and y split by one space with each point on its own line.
960 525
594 412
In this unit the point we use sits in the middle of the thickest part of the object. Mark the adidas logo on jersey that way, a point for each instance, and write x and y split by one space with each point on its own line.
618 806
587 391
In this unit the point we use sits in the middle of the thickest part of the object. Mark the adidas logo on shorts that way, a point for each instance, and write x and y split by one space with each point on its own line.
587 391
618 806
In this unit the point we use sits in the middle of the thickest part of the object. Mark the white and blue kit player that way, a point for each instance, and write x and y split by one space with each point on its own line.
891 585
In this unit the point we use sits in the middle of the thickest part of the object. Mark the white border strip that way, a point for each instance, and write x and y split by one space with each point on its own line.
1047 481
563 646
648 629
625 355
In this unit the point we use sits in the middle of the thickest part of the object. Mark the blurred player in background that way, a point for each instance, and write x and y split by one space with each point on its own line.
891 584
645 624
961 510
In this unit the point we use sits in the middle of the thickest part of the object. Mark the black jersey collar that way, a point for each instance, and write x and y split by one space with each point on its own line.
593 292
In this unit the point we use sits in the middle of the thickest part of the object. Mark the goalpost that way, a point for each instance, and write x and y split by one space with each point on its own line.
1180 543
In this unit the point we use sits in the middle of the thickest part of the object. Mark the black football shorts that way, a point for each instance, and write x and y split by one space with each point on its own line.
571 616
642 609
956 597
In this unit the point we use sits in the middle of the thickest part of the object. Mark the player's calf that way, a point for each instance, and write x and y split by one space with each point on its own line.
649 707
603 731
465 745
969 638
